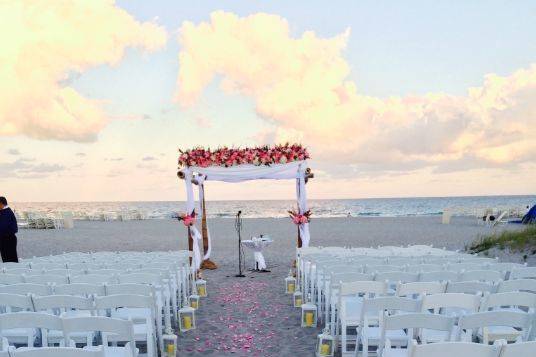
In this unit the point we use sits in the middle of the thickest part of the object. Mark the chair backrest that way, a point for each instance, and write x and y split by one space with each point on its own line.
523 273
449 349
505 267
336 279
363 287
396 276
80 289
139 278
421 268
442 275
437 302
131 289
124 301
513 298
58 352
27 319
381 268
8 279
421 287
106 325
459 267
413 322
17 301
495 318
470 287
377 305
26 288
517 285
92 279
519 349
30 320
62 302
46 279
481 275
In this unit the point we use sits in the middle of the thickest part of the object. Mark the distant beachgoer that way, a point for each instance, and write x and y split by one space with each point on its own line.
8 231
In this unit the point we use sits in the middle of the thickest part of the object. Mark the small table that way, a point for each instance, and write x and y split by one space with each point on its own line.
257 245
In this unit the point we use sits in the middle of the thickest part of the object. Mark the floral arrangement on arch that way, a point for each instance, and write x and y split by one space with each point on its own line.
258 156
300 218
187 219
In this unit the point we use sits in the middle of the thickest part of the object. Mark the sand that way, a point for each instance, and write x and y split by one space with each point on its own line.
251 316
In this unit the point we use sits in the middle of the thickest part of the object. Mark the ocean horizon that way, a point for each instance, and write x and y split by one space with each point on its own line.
362 207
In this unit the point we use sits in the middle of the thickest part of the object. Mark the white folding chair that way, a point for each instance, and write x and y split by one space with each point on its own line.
119 330
382 268
449 349
136 314
27 323
369 332
449 304
142 331
494 325
58 352
350 303
65 306
460 267
412 323
8 279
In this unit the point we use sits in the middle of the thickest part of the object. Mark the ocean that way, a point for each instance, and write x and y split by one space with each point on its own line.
367 207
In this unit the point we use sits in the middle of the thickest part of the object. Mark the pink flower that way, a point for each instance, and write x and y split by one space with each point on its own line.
303 219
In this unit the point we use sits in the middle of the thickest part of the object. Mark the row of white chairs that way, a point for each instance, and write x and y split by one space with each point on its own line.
140 307
359 313
98 331
54 352
408 325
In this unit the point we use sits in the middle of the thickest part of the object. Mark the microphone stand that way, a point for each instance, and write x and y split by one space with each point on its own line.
238 227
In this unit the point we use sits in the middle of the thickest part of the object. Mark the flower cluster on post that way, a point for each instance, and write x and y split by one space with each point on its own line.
299 218
227 157
187 219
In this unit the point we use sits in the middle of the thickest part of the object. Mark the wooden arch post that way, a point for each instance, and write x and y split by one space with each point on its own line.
205 264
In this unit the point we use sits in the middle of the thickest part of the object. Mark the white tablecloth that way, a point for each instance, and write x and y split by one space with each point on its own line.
257 245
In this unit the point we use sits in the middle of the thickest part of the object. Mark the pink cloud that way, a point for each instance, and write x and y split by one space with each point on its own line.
42 44
301 85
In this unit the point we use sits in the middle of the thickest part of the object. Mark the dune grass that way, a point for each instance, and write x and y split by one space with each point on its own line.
516 241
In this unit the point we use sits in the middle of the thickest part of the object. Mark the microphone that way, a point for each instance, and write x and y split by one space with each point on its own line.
239 213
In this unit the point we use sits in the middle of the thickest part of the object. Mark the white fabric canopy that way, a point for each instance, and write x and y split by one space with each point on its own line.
292 170
241 173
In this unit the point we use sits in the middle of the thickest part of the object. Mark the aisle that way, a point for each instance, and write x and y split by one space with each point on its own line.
249 316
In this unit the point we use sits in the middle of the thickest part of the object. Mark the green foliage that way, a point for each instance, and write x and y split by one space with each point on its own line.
514 240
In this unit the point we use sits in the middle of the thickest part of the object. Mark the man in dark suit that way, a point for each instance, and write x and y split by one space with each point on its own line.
8 229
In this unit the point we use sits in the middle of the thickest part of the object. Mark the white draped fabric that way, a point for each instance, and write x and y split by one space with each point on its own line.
292 170
257 245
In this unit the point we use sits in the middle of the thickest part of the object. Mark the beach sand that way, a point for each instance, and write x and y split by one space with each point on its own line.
251 316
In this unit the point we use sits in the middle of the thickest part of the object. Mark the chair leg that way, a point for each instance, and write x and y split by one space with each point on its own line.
344 347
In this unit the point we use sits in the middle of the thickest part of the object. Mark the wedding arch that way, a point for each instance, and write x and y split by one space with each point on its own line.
199 165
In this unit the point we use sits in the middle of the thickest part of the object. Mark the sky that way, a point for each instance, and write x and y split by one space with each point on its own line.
392 99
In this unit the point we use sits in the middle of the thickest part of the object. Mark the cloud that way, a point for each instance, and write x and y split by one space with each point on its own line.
148 158
13 152
45 46
301 85
25 169
114 159
81 154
